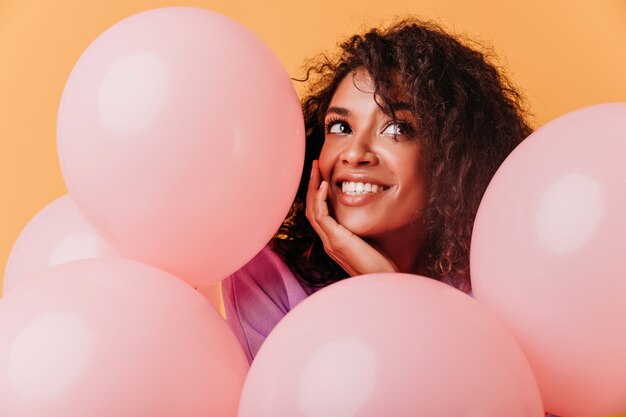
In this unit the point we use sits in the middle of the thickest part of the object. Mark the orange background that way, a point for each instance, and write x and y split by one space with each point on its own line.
564 54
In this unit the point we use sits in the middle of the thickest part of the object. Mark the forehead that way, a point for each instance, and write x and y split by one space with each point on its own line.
358 87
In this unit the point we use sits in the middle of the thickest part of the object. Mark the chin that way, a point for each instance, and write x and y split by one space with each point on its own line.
359 228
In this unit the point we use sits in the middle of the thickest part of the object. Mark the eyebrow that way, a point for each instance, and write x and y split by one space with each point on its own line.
342 111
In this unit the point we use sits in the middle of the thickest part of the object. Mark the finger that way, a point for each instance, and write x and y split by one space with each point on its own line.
312 192
324 220
335 233
320 200
312 202
322 214
314 181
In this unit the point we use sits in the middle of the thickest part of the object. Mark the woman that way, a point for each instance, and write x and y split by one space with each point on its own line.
404 131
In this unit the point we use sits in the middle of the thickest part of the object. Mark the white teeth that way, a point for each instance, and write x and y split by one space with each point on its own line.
358 188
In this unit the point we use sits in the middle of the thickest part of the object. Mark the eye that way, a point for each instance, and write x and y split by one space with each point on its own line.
397 129
339 127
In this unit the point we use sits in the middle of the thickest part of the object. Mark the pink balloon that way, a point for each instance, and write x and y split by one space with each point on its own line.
181 139
548 257
390 345
113 337
57 234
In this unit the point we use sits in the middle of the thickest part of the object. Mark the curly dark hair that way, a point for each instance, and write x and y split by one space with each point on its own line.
469 118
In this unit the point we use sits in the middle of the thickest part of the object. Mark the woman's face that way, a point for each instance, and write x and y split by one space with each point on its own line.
373 164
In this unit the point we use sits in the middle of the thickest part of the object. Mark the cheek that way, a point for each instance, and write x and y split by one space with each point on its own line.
326 162
415 180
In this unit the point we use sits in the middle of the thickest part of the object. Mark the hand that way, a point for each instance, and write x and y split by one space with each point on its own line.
351 252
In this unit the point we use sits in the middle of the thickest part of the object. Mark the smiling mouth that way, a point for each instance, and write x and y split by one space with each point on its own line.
360 188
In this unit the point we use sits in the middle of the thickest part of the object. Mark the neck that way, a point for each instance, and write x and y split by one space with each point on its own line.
404 248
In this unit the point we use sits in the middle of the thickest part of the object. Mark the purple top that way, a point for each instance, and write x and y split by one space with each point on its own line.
258 295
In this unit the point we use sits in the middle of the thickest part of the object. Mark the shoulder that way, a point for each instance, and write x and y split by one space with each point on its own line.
267 276
258 296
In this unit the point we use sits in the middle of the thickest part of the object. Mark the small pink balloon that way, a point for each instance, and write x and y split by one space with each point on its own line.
390 345
181 139
57 234
114 337
548 257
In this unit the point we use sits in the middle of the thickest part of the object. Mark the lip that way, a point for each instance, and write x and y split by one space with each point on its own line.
357 200
362 199
360 177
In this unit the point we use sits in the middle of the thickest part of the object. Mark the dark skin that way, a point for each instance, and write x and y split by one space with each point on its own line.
375 228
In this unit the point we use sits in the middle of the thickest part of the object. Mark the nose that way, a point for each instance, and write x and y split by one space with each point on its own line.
359 151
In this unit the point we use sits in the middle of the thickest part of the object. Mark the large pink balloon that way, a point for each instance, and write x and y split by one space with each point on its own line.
549 257
390 345
57 234
181 139
113 337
